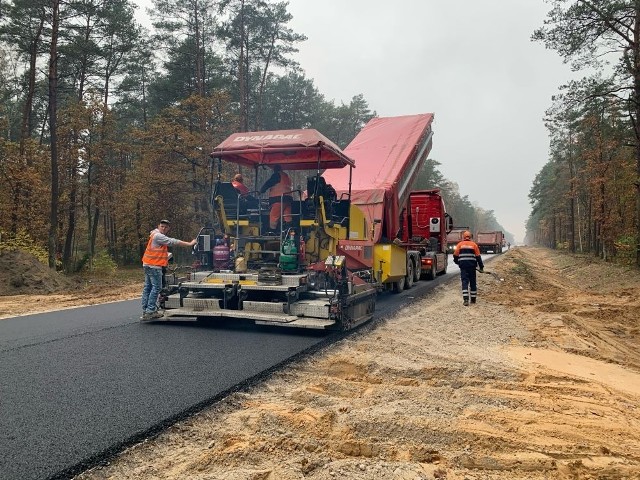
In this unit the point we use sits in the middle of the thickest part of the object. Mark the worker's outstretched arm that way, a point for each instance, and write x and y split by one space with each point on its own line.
273 180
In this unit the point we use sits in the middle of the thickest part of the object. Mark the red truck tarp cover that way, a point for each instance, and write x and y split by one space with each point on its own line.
292 149
389 152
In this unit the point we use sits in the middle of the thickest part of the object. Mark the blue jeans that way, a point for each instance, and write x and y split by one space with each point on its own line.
151 290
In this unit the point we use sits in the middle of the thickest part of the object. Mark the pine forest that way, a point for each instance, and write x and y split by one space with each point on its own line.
106 126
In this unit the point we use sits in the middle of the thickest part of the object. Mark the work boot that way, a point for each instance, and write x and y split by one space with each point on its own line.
466 302
151 316
473 300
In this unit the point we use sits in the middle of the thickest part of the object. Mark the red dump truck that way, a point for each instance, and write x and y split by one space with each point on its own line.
454 237
389 152
490 241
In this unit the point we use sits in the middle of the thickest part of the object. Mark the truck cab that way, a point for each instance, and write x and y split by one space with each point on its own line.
425 224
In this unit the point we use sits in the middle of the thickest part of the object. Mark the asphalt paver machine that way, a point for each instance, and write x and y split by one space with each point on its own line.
293 276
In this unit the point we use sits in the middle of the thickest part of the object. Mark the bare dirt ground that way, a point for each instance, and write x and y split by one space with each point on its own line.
28 286
539 380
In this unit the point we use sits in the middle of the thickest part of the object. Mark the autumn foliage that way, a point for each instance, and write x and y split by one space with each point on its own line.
587 197
114 133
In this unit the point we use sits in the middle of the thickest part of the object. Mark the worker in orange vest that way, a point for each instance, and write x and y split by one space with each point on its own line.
279 186
156 256
238 184
467 256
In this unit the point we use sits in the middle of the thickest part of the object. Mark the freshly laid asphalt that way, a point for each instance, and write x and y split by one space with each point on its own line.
78 382
77 385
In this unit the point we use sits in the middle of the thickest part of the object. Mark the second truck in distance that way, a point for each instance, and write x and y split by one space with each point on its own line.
490 242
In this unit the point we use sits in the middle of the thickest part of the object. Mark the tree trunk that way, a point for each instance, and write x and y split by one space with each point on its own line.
141 244
53 88
16 208
636 120
84 62
242 90
71 224
572 199
199 51
73 193
144 97
25 130
263 81
589 225
601 219
93 234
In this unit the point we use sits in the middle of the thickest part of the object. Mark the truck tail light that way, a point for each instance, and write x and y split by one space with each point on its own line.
427 261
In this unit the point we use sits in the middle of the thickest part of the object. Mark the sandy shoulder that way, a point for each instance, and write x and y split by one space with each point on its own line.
20 305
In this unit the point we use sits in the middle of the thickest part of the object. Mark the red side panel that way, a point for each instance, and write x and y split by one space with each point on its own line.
358 253
304 149
489 238
389 153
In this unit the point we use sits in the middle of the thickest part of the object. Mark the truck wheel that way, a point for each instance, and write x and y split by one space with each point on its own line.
408 279
397 287
431 274
416 271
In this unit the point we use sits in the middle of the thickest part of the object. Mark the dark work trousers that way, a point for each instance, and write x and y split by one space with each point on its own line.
469 285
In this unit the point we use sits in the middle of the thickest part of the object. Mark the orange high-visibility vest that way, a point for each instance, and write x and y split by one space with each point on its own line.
241 187
155 256
284 186
466 251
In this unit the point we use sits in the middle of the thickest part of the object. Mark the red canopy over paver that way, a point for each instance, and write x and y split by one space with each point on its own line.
389 151
292 149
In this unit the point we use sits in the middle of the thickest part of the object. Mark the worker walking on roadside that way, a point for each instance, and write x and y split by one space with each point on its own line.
279 186
467 256
156 256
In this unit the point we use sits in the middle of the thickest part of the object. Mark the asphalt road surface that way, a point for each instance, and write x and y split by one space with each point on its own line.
78 385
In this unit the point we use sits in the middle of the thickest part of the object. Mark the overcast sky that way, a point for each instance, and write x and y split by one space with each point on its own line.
469 62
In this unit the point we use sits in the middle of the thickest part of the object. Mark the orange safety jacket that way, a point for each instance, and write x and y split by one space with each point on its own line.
284 186
155 256
241 187
467 255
